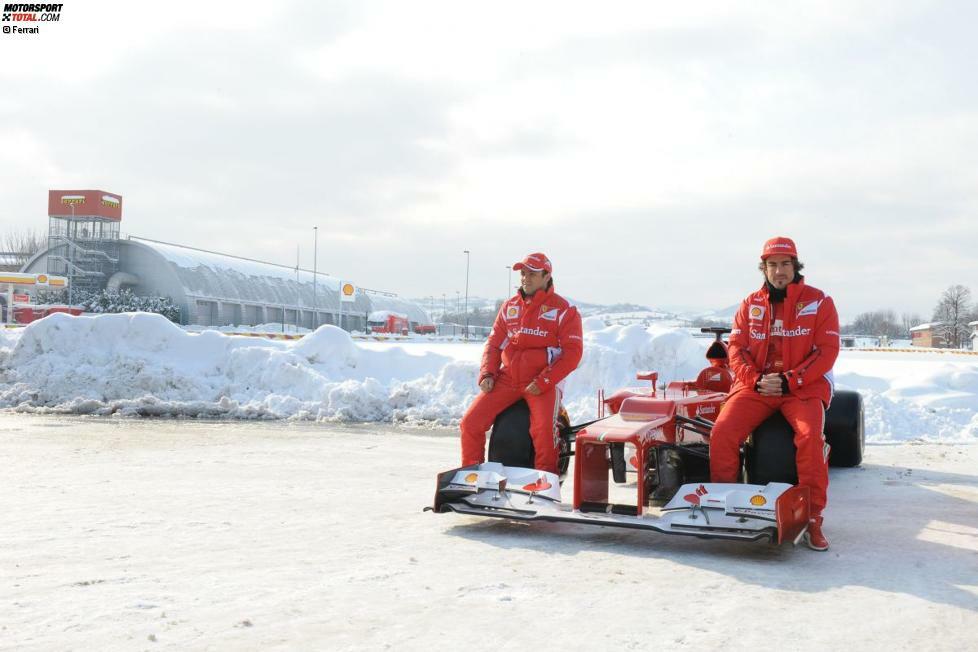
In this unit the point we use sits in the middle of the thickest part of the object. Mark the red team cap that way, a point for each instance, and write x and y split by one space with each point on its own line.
779 246
535 263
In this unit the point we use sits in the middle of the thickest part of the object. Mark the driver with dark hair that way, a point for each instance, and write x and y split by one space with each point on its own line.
534 344
783 345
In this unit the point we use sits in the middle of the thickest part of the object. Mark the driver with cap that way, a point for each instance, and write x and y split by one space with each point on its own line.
534 344
784 342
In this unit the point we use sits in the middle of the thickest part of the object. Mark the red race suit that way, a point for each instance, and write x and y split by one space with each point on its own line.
534 339
799 339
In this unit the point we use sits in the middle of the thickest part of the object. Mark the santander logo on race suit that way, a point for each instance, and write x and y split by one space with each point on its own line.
778 331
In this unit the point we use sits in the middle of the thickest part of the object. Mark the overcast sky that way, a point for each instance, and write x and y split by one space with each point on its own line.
648 148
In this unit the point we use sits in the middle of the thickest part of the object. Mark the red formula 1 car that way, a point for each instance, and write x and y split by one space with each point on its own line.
662 435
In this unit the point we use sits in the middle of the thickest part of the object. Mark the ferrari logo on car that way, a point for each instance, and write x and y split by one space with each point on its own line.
540 485
694 498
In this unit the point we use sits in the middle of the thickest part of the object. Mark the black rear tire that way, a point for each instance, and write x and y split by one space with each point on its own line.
845 429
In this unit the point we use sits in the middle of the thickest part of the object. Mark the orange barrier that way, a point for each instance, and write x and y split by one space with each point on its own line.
912 350
271 336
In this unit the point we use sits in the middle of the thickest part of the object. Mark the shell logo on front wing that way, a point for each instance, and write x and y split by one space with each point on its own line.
471 478
758 500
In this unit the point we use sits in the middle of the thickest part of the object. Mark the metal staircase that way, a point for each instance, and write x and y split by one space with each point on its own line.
85 250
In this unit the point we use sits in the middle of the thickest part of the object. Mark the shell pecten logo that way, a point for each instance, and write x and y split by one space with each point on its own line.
348 289
758 500
42 278
471 478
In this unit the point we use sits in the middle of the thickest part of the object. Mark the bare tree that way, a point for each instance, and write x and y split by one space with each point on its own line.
880 323
953 311
908 321
20 245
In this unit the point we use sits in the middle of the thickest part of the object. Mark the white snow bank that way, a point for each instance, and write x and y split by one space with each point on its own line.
141 364
930 396
138 363
260 328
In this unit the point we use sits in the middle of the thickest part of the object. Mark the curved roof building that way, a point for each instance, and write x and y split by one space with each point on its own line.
215 289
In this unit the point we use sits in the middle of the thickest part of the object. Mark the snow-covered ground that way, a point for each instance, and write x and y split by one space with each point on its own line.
150 534
141 364
282 524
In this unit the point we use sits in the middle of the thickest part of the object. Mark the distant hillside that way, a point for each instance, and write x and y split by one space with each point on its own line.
626 311
596 308
724 314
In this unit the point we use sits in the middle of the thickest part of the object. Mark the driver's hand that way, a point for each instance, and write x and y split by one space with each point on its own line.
487 384
533 389
769 385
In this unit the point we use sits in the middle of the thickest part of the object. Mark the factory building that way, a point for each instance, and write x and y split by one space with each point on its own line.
209 288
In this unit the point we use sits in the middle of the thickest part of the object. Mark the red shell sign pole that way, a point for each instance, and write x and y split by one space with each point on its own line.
20 280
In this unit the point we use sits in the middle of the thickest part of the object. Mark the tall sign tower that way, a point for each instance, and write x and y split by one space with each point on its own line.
83 237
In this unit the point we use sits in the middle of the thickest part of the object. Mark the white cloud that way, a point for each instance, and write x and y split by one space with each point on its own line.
658 142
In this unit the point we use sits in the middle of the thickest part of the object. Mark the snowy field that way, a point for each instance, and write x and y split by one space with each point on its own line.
149 534
287 514
142 365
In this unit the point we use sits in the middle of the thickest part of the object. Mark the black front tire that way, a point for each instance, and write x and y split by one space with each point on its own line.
509 441
770 455
511 445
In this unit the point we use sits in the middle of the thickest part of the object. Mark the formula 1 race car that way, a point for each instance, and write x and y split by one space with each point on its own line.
662 435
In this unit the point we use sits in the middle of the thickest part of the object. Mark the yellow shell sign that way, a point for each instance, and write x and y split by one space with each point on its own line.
42 278
758 500
348 289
